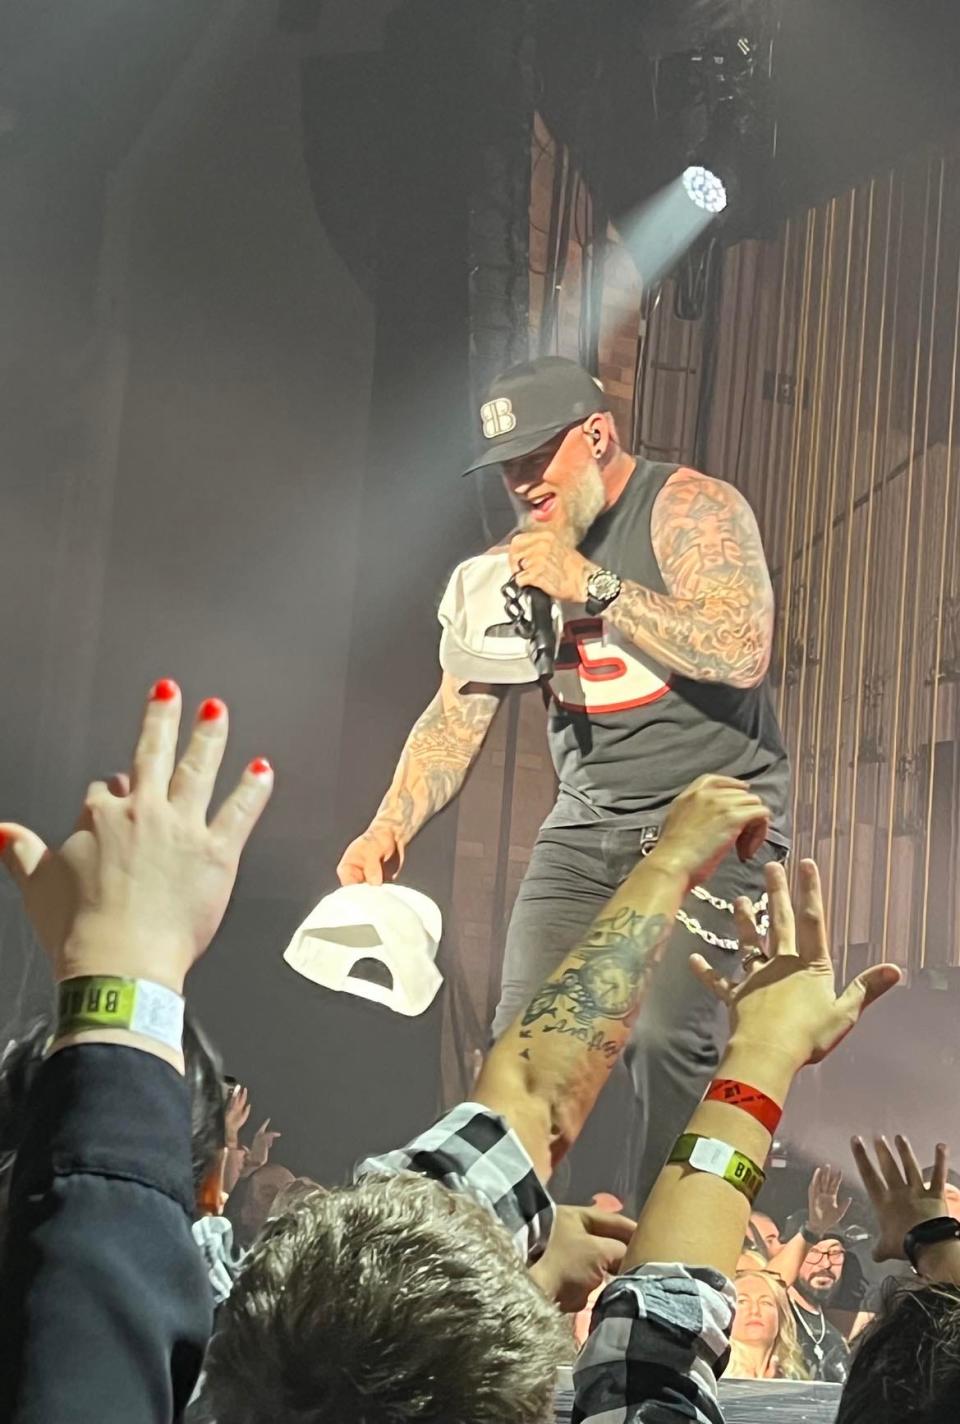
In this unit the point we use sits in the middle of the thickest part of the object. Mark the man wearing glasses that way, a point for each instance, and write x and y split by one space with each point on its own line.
824 1348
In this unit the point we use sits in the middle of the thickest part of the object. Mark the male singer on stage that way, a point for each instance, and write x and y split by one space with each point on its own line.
660 677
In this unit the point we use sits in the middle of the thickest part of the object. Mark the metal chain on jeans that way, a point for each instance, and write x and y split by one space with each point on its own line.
702 893
694 927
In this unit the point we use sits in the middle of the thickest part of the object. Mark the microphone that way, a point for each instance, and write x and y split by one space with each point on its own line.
544 639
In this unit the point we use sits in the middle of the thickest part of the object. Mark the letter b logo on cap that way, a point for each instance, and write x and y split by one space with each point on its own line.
498 417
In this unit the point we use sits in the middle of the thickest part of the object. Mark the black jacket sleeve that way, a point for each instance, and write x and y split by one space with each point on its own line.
105 1309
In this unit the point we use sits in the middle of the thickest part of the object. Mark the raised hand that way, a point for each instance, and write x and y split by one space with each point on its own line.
898 1194
140 887
586 1246
825 1210
236 1113
788 1005
704 823
258 1153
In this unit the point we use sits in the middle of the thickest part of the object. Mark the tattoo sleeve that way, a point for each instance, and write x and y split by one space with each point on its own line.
437 755
547 1070
601 981
716 623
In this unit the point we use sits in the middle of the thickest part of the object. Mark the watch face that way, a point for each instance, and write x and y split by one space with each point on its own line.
929 1233
603 586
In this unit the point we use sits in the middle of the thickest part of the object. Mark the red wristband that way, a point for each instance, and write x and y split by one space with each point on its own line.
749 1100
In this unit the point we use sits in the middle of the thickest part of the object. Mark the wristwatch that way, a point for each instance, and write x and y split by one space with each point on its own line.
929 1233
602 588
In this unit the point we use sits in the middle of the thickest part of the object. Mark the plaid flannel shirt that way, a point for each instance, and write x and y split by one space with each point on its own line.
660 1333
474 1150
658 1342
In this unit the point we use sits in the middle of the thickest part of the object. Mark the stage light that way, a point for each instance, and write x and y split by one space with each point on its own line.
705 189
660 233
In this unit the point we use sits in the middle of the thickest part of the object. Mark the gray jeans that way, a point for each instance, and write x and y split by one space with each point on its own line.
681 1027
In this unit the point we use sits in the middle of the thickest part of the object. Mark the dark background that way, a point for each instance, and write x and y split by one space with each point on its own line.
238 324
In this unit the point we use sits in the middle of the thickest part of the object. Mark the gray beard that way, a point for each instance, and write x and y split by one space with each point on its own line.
586 504
582 507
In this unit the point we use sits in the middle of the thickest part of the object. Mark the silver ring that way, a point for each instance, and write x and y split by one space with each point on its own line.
752 957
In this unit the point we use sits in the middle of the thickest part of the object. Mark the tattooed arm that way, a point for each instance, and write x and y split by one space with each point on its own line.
545 1073
716 623
437 755
433 766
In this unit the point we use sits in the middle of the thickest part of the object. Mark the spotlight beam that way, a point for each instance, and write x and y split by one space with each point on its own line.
663 230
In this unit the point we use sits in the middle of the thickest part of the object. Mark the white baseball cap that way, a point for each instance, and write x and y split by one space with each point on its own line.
479 642
398 927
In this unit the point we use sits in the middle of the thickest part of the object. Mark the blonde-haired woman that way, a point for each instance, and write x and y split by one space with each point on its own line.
764 1337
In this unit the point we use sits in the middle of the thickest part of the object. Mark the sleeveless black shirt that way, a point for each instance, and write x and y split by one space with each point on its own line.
626 734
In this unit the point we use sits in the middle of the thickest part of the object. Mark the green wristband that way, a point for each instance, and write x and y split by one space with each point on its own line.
707 1154
99 1001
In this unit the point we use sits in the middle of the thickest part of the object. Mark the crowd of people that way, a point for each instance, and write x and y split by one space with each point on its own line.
442 1281
803 1297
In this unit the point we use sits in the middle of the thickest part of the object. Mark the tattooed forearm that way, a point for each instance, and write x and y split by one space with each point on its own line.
553 1060
700 639
716 623
436 758
601 982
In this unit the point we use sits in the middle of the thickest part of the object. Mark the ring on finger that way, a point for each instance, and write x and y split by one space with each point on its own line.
752 956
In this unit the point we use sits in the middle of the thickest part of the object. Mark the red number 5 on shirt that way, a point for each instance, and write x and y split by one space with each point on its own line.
599 671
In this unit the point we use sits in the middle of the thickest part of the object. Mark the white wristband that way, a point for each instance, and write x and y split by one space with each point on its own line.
96 1002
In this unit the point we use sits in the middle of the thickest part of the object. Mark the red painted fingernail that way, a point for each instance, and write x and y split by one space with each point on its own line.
260 766
211 709
4 839
164 691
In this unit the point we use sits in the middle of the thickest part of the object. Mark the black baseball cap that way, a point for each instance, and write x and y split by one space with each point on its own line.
529 403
